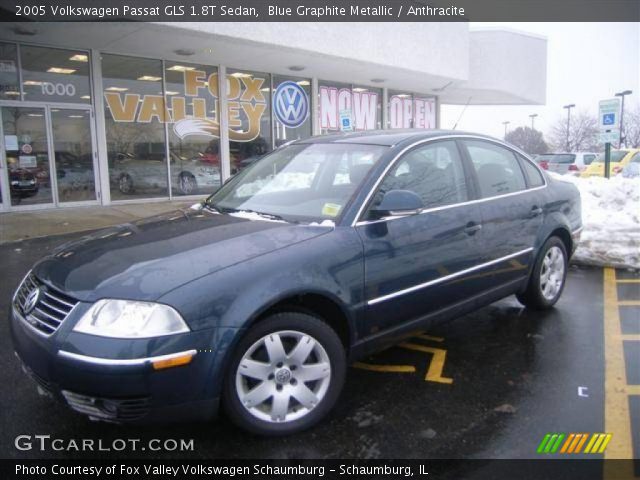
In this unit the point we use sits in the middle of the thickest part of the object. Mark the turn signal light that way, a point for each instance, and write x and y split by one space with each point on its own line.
177 361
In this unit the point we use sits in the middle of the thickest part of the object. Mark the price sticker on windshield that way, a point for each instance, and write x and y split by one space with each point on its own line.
331 209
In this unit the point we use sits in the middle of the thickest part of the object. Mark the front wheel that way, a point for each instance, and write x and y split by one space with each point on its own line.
548 276
285 375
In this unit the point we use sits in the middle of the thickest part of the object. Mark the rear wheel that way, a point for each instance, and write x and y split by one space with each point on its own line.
285 375
548 276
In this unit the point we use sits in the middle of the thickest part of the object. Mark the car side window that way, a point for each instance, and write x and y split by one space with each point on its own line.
434 172
587 159
533 174
496 167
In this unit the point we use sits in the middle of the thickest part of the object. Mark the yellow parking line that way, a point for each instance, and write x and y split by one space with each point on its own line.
628 280
436 366
616 404
632 389
385 368
628 303
630 337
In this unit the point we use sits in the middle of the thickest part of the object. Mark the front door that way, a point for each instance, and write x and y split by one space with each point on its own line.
47 156
415 265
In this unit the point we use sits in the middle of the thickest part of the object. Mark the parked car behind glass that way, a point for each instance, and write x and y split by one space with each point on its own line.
320 253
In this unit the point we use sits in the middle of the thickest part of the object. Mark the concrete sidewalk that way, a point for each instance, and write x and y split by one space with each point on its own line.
16 226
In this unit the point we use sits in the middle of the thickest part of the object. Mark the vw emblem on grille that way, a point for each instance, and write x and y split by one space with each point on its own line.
31 301
291 104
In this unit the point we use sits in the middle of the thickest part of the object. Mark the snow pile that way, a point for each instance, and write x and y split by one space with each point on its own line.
611 220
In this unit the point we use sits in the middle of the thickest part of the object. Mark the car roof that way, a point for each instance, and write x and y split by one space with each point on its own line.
387 137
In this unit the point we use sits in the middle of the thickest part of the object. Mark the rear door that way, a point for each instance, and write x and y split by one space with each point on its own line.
511 209
415 265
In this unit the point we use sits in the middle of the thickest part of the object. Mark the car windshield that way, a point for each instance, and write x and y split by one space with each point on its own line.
616 156
299 183
557 158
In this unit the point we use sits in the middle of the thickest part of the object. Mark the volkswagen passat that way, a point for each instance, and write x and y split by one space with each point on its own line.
323 251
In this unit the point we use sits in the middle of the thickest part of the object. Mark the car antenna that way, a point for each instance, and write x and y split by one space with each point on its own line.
461 113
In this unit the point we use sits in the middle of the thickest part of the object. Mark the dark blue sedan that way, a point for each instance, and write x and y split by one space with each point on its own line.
323 251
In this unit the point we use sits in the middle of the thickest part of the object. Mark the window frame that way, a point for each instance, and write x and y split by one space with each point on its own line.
469 186
359 217
519 157
522 160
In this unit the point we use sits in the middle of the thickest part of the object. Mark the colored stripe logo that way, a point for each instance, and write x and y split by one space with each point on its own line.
574 443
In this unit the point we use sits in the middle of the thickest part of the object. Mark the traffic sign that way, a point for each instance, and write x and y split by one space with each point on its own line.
609 114
609 137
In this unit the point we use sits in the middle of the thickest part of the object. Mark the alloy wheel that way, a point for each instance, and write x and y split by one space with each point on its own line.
552 273
283 376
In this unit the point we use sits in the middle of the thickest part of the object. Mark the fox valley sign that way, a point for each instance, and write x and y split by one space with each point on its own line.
247 104
189 113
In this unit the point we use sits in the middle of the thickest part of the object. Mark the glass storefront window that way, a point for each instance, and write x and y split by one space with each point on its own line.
408 110
27 155
192 97
362 105
400 113
73 154
9 87
135 113
291 109
55 75
334 98
249 105
367 108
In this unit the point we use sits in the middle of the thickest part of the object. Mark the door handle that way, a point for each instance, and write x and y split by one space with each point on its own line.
535 211
472 228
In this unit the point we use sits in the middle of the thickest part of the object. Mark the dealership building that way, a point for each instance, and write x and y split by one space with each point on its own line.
109 113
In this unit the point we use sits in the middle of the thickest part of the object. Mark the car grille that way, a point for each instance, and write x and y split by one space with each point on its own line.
108 409
50 309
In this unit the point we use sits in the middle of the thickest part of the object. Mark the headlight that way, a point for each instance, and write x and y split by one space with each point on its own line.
130 319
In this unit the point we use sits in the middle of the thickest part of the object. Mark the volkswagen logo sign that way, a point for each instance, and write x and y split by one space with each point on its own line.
31 301
291 104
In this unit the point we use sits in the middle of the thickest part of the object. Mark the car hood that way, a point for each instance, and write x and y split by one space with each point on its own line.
148 258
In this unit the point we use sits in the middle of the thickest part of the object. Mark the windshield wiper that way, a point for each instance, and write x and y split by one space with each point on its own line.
270 216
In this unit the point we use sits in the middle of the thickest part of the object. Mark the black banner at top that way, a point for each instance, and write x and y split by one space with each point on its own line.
319 10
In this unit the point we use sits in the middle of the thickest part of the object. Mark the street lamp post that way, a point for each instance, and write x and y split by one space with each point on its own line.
506 123
568 107
622 94
532 117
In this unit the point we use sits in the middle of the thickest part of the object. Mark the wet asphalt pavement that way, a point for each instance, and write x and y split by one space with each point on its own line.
514 376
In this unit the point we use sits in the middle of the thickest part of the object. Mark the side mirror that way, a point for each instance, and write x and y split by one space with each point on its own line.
397 203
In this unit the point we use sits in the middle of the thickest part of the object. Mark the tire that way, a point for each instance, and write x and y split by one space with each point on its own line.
125 184
268 396
544 288
187 184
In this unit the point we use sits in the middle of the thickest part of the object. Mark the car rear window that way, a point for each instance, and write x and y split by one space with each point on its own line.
497 168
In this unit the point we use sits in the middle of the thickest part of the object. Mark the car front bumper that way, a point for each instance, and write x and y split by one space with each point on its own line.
123 387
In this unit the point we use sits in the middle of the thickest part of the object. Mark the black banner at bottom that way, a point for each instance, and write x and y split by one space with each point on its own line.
544 468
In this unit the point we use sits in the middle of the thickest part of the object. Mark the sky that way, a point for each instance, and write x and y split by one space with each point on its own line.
586 62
